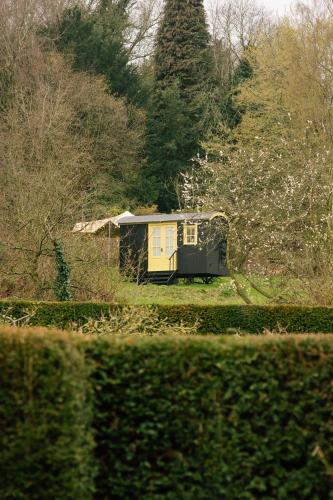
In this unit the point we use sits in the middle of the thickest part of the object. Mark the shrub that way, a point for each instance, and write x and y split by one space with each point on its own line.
214 418
138 320
45 418
55 314
173 417
210 319
253 319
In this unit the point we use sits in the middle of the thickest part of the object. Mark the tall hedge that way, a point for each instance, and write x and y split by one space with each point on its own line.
172 418
212 319
222 418
45 418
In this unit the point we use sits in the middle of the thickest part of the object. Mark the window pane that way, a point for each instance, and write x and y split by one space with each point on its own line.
169 241
157 242
190 235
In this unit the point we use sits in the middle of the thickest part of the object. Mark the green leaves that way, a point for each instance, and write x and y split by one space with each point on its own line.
171 417
62 283
45 418
243 424
222 320
94 39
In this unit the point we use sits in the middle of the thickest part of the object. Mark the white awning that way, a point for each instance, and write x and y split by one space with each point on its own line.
92 227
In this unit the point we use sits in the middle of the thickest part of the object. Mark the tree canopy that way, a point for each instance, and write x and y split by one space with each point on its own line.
94 39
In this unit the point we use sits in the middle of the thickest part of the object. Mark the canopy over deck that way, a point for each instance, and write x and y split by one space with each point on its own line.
95 226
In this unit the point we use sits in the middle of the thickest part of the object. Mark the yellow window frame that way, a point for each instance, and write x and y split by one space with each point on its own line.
190 239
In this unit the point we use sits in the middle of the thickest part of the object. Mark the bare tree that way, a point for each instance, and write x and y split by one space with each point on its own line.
235 26
144 16
275 183
60 134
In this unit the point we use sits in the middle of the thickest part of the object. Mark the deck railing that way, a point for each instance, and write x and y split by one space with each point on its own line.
173 261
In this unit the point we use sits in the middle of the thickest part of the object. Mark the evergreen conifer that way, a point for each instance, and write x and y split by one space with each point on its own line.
94 39
177 118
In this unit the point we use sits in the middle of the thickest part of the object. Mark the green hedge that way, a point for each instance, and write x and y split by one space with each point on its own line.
253 319
208 419
45 420
57 314
213 319
172 418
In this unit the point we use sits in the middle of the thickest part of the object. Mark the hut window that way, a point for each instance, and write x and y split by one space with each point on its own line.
157 242
190 234
169 241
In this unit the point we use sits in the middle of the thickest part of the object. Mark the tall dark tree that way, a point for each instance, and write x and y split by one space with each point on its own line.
177 118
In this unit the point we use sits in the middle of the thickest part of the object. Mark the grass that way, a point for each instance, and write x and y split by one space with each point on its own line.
220 292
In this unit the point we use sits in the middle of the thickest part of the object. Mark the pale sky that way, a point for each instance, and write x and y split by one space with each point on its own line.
275 6
278 5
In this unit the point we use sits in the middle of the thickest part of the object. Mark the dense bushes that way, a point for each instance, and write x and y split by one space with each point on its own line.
253 319
173 418
45 418
196 418
58 314
213 319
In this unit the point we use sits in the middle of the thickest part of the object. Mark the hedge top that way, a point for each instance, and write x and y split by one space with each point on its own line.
43 335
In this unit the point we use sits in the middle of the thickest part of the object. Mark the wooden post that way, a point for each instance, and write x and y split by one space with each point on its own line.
109 245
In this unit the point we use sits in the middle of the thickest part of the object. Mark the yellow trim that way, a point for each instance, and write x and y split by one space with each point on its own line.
161 262
185 234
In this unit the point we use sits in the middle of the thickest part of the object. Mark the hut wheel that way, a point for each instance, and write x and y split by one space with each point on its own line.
208 280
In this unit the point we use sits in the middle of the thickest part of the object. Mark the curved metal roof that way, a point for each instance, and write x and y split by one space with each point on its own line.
159 218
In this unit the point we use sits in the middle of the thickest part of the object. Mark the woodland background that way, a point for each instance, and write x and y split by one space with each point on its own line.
144 105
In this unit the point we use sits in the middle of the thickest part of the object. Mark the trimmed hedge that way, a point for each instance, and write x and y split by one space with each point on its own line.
202 418
45 418
173 418
253 319
56 314
213 319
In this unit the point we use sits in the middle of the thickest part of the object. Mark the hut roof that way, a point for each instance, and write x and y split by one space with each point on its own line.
158 218
92 227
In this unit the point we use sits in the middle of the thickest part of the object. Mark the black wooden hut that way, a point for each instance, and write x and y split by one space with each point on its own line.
162 248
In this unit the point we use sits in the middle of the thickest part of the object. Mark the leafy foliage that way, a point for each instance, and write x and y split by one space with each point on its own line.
62 283
45 418
274 178
203 418
207 319
231 110
171 417
67 149
94 39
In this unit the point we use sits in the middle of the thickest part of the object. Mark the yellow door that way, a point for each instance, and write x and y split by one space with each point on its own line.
162 243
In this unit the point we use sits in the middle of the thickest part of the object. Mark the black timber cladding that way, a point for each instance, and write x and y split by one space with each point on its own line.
133 247
205 258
